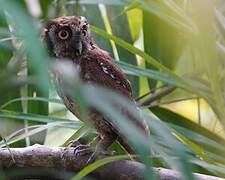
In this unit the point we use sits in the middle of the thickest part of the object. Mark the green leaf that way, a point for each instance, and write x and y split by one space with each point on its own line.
158 37
151 74
139 52
203 143
20 19
30 99
6 57
176 119
90 168
171 13
45 5
35 129
33 117
119 25
80 132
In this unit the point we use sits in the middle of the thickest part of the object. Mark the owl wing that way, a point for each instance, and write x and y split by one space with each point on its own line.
97 67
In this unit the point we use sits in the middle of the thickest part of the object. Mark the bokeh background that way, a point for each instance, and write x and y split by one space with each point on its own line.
158 43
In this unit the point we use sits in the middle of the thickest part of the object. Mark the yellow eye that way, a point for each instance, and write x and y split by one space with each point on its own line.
63 34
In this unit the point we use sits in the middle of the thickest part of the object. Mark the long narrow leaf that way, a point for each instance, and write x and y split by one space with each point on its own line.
139 52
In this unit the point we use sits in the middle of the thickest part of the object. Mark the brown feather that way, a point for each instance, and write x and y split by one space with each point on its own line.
96 67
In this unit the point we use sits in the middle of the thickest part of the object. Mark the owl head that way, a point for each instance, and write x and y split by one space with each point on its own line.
67 37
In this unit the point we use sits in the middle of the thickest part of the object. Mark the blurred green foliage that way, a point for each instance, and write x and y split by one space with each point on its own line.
180 43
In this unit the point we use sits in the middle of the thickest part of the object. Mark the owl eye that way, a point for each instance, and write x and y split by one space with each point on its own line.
63 34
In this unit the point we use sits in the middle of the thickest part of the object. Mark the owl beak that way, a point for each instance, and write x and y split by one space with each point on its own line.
78 48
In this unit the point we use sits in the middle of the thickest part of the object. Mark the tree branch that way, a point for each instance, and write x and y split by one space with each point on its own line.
64 159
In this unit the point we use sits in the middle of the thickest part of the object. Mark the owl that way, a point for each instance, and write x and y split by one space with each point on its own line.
70 38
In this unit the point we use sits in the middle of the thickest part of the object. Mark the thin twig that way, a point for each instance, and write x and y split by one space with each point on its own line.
199 111
148 93
170 102
158 95
7 146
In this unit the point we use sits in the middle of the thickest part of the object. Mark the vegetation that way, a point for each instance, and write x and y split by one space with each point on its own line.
180 43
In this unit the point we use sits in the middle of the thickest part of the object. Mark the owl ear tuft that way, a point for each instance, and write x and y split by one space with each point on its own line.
46 27
45 30
44 33
48 24
82 18
46 42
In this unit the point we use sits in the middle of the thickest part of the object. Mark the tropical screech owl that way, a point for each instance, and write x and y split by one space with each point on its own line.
69 38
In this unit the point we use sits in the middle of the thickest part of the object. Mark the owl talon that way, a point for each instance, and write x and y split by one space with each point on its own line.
96 153
74 144
82 150
92 158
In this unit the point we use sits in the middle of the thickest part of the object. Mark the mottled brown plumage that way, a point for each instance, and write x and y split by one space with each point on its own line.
69 38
